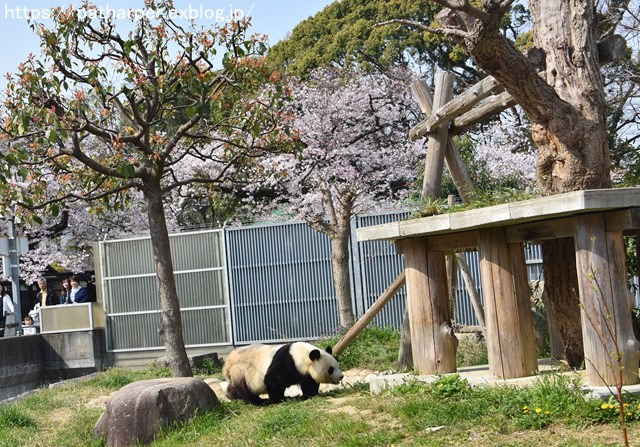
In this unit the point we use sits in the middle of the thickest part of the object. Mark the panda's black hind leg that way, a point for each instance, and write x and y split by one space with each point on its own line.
275 389
240 391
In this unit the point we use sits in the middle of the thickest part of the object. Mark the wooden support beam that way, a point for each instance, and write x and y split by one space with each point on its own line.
434 161
480 114
473 95
432 340
452 157
509 320
474 296
623 220
370 314
454 241
606 303
618 220
538 231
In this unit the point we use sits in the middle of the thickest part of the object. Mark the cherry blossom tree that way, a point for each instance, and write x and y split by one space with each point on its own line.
356 157
505 154
65 242
104 115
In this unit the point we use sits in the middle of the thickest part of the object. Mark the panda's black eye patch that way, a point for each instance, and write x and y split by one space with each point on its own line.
331 370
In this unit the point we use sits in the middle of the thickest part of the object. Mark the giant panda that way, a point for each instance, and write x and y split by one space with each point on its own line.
258 369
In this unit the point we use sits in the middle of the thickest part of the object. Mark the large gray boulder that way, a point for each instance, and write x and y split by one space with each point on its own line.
136 413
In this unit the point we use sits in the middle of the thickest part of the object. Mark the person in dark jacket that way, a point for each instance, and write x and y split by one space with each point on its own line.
78 294
65 291
46 296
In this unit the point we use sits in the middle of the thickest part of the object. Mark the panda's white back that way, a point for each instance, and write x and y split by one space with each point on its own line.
252 362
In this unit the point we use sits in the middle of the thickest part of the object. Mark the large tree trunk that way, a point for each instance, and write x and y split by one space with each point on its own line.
341 278
336 224
573 151
563 282
171 320
573 148
567 110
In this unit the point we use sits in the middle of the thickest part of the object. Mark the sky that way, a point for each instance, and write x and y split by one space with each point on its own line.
276 18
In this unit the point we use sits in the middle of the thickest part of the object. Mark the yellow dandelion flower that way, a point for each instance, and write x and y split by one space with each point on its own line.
629 413
526 407
604 406
547 412
625 405
538 410
611 406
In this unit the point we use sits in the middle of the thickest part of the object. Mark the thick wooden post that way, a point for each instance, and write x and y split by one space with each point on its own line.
610 347
432 340
510 332
434 161
452 157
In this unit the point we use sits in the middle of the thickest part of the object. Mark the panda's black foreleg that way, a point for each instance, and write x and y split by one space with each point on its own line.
309 387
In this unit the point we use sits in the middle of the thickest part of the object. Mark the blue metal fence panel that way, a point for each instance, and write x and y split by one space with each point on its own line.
281 283
380 264
463 314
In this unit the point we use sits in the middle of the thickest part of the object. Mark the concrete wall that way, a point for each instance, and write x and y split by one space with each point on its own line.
142 359
31 361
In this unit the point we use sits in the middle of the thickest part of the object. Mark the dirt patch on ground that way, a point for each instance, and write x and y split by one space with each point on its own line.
374 417
341 405
98 402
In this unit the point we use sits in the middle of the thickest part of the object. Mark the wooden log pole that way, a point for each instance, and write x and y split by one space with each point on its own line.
610 347
434 161
370 314
433 342
447 112
509 319
524 311
480 114
452 157
474 296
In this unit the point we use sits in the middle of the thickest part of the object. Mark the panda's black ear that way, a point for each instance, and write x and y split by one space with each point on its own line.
315 355
329 350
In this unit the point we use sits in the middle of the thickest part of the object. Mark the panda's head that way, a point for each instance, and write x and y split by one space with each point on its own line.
324 367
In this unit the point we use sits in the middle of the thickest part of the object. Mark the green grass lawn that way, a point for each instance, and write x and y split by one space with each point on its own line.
447 412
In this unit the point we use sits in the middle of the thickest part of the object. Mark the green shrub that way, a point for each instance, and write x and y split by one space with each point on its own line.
472 351
12 416
374 348
449 386
116 378
208 366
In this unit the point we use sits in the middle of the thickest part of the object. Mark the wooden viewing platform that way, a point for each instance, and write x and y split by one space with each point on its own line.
596 219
